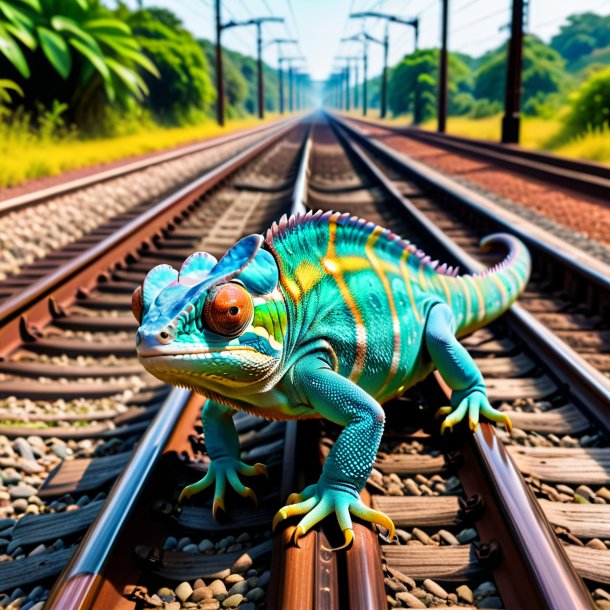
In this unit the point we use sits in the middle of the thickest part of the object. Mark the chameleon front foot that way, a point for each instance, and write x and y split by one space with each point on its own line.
318 501
475 404
220 471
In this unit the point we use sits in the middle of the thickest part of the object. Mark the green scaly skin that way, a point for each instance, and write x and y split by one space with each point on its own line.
346 316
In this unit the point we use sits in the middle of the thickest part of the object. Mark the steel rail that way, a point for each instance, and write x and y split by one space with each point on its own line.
80 583
590 388
590 178
32 308
44 194
557 582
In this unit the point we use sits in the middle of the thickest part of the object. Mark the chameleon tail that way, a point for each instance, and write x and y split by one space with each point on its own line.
479 299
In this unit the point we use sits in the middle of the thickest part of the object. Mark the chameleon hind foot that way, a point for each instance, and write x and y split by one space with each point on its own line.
220 471
318 501
475 404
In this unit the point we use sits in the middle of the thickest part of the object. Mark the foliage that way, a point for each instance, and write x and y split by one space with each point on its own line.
580 37
78 53
414 81
184 93
543 72
590 106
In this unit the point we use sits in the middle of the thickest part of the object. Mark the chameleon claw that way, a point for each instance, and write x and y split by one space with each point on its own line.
219 504
280 516
184 495
294 498
249 493
473 424
442 411
445 425
349 538
261 469
298 532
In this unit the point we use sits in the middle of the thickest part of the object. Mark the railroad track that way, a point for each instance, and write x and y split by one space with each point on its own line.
585 177
471 532
70 218
73 388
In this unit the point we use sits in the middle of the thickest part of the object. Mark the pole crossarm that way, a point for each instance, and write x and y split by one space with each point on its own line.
255 21
414 22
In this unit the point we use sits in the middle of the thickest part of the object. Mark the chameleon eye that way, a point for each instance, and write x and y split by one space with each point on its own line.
137 304
228 310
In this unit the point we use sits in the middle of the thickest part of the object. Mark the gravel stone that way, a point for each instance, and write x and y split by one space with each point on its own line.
240 588
409 600
491 602
201 594
465 592
218 588
233 601
184 591
435 589
231 579
256 595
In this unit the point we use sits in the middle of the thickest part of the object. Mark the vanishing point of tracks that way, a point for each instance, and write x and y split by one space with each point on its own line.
475 528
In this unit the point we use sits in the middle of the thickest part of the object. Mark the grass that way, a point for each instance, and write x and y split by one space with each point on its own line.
537 133
26 156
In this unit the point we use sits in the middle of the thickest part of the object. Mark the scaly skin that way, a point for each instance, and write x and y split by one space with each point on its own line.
332 318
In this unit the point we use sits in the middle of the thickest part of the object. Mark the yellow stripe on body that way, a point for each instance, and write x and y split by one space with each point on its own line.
330 263
481 303
404 271
443 281
377 265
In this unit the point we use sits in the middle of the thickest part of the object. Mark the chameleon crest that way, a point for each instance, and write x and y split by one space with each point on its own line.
331 317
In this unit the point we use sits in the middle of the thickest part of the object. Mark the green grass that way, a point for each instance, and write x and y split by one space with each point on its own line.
27 155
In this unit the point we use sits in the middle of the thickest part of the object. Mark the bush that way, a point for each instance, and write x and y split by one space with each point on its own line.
590 107
484 108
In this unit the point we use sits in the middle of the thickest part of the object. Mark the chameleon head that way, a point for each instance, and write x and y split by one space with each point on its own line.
214 327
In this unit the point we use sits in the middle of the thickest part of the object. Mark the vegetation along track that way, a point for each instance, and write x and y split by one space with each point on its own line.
556 443
75 401
69 218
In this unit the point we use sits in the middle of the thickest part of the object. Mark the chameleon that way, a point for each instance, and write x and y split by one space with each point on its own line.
325 316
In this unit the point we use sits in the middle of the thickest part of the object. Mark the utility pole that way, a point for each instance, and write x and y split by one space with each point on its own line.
289 60
442 71
414 23
280 72
220 89
258 22
361 38
348 94
511 121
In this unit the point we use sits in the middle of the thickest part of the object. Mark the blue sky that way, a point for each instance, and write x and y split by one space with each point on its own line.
475 25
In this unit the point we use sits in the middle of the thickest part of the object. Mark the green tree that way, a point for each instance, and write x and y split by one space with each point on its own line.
184 93
415 80
581 36
92 55
543 72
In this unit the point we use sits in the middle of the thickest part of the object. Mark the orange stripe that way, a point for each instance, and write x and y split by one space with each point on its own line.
388 291
333 268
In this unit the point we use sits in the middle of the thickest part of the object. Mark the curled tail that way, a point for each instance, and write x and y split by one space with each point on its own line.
477 300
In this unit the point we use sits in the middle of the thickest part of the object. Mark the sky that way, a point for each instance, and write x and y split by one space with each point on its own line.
475 26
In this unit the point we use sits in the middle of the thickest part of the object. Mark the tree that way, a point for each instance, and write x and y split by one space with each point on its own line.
416 76
580 37
184 93
92 55
543 72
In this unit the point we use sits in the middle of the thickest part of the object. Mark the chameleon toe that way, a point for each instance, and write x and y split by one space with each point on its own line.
349 538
